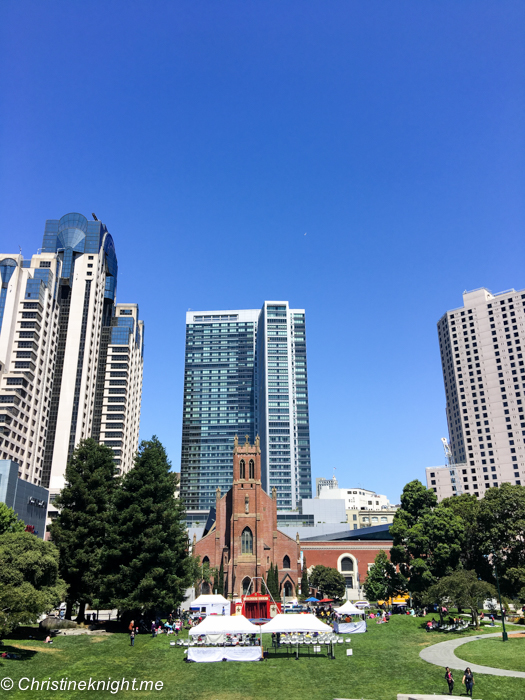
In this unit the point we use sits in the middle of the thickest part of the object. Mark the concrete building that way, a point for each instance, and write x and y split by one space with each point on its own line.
325 484
59 334
28 500
245 374
481 346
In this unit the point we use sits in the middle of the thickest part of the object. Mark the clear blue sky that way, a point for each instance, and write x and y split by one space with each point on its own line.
212 136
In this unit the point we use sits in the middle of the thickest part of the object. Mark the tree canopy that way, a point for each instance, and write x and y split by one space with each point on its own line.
329 581
462 589
81 527
383 580
146 564
9 520
29 580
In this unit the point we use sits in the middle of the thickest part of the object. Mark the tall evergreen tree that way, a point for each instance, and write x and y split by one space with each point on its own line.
220 585
146 560
276 587
304 581
80 529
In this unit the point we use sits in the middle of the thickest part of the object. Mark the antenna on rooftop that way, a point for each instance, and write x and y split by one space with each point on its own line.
94 216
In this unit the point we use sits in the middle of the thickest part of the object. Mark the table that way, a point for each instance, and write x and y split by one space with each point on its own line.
212 654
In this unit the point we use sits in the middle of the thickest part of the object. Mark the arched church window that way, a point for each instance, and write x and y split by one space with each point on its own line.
242 469
251 466
347 564
246 586
246 541
286 562
205 561
288 589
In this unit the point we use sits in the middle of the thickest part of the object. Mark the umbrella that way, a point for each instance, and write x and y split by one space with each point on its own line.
312 600
326 600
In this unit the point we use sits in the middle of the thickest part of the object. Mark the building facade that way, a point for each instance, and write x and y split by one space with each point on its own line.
246 374
28 500
243 537
481 345
59 331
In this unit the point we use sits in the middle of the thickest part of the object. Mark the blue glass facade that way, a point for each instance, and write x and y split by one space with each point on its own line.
218 404
245 374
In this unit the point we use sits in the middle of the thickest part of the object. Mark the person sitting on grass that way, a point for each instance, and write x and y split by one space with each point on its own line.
48 640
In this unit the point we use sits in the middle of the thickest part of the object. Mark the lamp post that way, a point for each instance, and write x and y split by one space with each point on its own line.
504 635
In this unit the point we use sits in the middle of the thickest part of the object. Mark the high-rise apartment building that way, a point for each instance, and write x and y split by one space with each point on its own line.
245 374
481 347
61 335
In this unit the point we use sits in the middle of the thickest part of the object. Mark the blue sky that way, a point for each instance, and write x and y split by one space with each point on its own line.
210 137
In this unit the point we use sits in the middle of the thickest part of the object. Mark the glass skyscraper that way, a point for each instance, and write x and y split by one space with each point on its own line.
245 374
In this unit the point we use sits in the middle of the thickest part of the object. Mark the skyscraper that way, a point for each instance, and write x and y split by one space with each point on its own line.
481 347
245 374
59 338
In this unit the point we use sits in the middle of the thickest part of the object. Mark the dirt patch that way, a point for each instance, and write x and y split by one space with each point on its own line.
32 647
98 638
517 635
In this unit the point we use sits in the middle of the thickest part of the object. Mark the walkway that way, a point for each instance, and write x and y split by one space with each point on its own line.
442 654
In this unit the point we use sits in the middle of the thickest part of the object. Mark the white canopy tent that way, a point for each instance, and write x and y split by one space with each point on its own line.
211 605
295 622
232 624
348 609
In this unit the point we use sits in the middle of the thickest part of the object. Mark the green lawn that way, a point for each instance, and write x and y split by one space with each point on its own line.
494 652
385 662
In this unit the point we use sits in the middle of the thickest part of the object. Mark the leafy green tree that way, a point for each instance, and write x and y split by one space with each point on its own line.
427 539
329 581
9 520
383 581
272 582
81 527
146 564
501 524
463 589
305 586
29 580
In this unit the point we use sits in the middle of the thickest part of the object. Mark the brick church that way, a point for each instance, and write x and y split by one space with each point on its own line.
244 535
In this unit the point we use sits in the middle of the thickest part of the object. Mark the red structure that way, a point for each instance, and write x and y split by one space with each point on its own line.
256 606
245 537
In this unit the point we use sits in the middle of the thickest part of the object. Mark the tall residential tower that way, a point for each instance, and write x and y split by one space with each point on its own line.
246 375
60 331
481 347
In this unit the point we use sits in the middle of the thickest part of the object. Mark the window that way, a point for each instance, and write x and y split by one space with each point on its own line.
286 562
242 469
246 586
347 564
251 466
205 561
246 541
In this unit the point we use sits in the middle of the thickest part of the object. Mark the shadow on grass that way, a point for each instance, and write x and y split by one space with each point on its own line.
15 654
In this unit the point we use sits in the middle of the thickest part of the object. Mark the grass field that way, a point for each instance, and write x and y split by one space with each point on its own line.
493 652
385 662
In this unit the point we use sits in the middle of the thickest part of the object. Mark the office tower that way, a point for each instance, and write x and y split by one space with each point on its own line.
481 347
60 308
245 374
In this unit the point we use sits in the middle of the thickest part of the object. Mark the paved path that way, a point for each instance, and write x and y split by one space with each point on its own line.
442 654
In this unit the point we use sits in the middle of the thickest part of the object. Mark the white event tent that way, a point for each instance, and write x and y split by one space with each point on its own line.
232 624
211 605
295 622
348 609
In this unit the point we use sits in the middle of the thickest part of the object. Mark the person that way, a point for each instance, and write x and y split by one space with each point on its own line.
48 640
492 620
131 625
153 628
449 679
468 681
132 636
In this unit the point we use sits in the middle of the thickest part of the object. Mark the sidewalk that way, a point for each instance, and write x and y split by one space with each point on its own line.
442 654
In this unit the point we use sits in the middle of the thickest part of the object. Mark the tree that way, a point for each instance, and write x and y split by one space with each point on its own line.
220 582
427 539
272 582
464 590
9 521
383 581
501 523
146 564
29 580
329 581
305 587
80 529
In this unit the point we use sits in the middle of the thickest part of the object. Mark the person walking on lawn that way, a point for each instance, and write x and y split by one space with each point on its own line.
468 681
449 679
